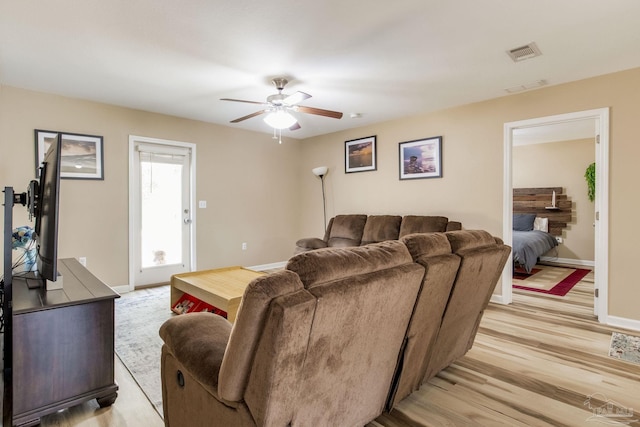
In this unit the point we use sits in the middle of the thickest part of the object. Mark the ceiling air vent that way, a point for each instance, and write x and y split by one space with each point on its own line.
524 52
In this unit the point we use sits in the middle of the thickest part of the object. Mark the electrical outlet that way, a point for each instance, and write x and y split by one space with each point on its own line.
244 246
83 260
202 204
558 239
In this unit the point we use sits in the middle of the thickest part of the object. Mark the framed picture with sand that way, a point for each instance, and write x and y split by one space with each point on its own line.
82 155
360 155
421 158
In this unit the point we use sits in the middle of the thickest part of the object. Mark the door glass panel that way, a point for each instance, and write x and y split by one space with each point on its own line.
161 209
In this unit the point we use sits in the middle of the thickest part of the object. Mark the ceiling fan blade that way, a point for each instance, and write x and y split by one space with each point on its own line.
295 126
257 113
319 112
296 98
242 100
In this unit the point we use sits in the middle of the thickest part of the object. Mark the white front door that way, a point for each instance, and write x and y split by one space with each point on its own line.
161 210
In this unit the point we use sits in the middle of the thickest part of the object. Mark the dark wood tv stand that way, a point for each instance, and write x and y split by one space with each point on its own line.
62 344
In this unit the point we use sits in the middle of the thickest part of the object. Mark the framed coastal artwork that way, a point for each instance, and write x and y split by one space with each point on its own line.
360 155
421 158
82 155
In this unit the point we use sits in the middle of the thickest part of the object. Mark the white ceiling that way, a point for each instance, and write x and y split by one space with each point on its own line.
383 60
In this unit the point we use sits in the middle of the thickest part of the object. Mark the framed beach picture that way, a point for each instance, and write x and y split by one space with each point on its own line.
421 158
360 155
82 156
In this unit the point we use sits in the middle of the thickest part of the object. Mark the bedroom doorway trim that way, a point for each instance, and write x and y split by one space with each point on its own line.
601 204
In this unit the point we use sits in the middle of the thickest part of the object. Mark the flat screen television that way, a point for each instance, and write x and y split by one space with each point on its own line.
46 212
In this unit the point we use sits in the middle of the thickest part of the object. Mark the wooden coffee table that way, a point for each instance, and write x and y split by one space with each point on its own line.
222 287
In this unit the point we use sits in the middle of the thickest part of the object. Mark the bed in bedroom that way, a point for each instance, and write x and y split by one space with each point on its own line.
539 215
530 244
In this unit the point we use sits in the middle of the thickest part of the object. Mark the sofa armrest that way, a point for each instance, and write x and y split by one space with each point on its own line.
198 341
311 243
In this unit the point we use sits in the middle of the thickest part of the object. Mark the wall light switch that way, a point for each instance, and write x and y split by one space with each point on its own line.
202 204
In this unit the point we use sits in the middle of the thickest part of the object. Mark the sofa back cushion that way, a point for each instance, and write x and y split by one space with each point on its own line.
346 230
433 251
422 224
482 258
379 228
316 268
365 298
272 390
248 329
421 244
454 225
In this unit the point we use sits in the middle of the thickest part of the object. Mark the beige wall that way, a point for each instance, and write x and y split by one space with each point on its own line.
261 192
562 164
472 186
248 180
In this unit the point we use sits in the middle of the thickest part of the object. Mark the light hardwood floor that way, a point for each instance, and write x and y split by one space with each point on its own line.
534 363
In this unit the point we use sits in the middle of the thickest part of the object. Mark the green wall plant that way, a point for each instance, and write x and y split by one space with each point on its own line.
590 176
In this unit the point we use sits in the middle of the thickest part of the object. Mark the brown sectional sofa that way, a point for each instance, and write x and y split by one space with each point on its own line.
461 272
357 230
335 338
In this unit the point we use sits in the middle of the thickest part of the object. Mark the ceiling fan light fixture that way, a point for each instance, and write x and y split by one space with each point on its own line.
280 119
278 108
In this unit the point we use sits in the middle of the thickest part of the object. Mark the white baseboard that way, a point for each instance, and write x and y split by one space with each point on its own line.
271 266
121 289
568 261
622 322
497 299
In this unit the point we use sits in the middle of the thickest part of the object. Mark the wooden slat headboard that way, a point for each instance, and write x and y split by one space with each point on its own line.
537 200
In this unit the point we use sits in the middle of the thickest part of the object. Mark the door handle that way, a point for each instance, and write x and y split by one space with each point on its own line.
188 221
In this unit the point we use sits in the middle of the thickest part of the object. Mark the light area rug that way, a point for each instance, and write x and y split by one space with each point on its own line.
138 317
625 347
546 279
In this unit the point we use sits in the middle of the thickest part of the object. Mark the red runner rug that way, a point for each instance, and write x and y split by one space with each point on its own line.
559 289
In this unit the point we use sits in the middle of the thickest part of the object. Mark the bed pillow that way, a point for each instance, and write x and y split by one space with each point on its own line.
541 224
523 222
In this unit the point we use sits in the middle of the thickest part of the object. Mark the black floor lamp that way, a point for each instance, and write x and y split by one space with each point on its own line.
321 171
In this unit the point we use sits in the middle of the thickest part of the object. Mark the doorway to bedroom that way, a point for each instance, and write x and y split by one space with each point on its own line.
546 158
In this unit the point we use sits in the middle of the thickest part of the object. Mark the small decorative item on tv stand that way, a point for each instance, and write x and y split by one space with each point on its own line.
22 239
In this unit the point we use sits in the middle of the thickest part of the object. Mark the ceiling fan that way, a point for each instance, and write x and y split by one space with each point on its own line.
279 105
